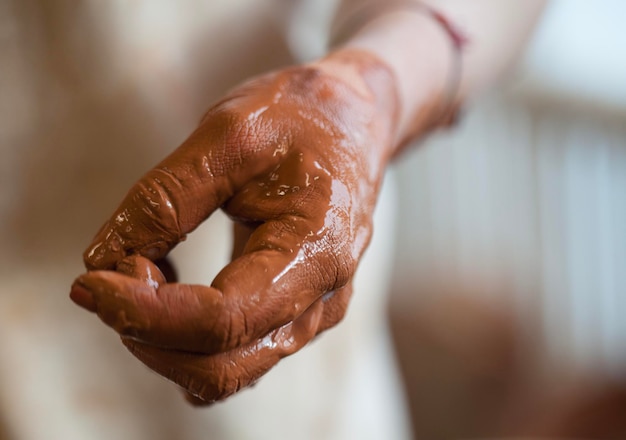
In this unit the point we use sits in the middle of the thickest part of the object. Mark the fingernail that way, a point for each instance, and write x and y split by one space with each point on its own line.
83 297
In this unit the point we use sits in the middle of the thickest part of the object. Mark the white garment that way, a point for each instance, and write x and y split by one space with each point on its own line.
91 98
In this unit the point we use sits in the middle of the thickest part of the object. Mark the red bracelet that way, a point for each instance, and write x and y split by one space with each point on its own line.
370 11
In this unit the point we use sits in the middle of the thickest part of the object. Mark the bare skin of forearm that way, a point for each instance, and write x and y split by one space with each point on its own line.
419 51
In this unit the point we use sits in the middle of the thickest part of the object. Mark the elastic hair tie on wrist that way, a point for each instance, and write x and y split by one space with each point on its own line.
371 11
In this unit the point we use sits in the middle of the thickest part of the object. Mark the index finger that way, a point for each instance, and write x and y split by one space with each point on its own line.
179 193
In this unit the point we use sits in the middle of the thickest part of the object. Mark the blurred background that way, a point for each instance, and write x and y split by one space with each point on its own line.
489 304
522 207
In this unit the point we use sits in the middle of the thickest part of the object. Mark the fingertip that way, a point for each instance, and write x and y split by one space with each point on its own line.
83 297
110 248
103 254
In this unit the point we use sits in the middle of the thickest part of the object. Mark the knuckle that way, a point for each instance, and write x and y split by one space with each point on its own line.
342 264
153 205
218 382
243 126
208 384
335 268
235 127
229 331
345 268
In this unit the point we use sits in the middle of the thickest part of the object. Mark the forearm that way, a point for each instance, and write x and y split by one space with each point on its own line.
419 51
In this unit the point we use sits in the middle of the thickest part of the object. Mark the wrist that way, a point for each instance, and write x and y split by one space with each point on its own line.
417 50
371 78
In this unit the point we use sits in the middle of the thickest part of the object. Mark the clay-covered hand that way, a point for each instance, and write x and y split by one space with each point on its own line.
296 159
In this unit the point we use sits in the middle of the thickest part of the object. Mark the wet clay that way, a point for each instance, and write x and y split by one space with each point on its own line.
296 159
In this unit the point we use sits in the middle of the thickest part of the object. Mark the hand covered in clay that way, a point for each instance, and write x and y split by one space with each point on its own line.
295 158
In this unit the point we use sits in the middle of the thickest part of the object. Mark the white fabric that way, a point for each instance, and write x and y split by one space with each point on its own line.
92 97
